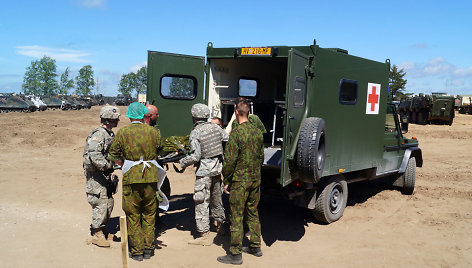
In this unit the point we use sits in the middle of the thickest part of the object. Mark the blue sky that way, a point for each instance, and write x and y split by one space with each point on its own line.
430 40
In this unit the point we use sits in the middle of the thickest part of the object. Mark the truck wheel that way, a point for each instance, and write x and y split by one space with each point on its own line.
311 148
332 200
409 177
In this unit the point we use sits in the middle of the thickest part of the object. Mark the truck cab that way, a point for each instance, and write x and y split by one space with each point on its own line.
328 117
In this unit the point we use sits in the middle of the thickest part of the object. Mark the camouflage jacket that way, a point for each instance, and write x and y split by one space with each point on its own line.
133 142
205 166
244 154
253 119
96 149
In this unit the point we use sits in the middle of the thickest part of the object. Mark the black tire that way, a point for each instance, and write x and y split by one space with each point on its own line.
331 200
165 187
409 177
311 148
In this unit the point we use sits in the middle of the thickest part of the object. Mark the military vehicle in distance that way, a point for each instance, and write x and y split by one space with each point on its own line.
11 102
464 104
36 100
437 108
122 100
329 118
55 102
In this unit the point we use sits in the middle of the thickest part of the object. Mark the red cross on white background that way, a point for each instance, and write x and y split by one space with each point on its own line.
373 97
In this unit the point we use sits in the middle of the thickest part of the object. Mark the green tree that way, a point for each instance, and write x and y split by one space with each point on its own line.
397 83
181 87
31 80
84 81
127 84
40 77
141 80
65 84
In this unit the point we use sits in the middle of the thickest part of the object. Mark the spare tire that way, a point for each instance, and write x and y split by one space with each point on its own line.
311 148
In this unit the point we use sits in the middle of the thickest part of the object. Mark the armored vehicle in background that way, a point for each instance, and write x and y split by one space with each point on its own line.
11 102
464 104
55 102
122 100
36 100
328 116
437 108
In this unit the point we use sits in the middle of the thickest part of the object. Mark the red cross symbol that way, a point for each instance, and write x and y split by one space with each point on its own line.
373 99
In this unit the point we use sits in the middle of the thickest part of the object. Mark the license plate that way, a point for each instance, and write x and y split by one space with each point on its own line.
255 51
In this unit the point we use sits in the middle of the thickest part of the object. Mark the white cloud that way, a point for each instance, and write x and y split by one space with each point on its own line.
59 54
406 66
437 66
92 3
138 66
459 72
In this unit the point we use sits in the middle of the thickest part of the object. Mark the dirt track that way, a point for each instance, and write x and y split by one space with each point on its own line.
44 215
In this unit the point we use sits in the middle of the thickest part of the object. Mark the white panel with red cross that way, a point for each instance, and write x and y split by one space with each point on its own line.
373 98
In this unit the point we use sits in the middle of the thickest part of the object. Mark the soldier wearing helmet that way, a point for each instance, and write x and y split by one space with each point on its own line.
101 183
206 153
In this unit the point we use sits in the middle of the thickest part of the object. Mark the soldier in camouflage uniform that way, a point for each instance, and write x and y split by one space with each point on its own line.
244 155
252 118
135 148
98 171
206 152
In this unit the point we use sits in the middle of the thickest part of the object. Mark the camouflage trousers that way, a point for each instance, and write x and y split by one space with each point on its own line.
207 197
243 200
140 205
97 197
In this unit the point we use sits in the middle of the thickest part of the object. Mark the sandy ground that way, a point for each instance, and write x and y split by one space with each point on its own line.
44 215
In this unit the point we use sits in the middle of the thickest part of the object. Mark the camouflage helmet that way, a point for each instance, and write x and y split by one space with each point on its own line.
200 111
110 112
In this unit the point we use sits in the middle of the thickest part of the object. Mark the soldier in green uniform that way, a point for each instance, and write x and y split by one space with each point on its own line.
135 148
244 155
252 118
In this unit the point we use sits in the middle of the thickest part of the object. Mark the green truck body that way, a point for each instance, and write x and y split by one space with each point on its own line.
328 116
437 108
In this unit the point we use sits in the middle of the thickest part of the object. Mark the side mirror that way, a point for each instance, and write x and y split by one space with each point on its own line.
404 123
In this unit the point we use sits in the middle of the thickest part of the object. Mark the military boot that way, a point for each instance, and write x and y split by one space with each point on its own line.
253 251
99 239
204 240
231 259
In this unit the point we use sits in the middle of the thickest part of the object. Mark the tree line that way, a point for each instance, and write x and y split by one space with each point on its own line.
40 79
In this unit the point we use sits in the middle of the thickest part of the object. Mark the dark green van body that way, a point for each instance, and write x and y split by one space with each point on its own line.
290 85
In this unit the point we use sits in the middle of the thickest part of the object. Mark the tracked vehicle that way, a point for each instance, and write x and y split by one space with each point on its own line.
329 117
10 102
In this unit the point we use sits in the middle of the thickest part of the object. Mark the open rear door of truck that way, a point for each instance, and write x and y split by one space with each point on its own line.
295 109
175 83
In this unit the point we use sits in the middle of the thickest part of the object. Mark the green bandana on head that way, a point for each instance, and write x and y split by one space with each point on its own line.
136 110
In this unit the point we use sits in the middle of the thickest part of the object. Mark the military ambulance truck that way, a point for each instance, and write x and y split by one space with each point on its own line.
327 115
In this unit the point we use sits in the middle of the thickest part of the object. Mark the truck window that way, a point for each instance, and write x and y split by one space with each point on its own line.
247 87
348 92
299 92
178 87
